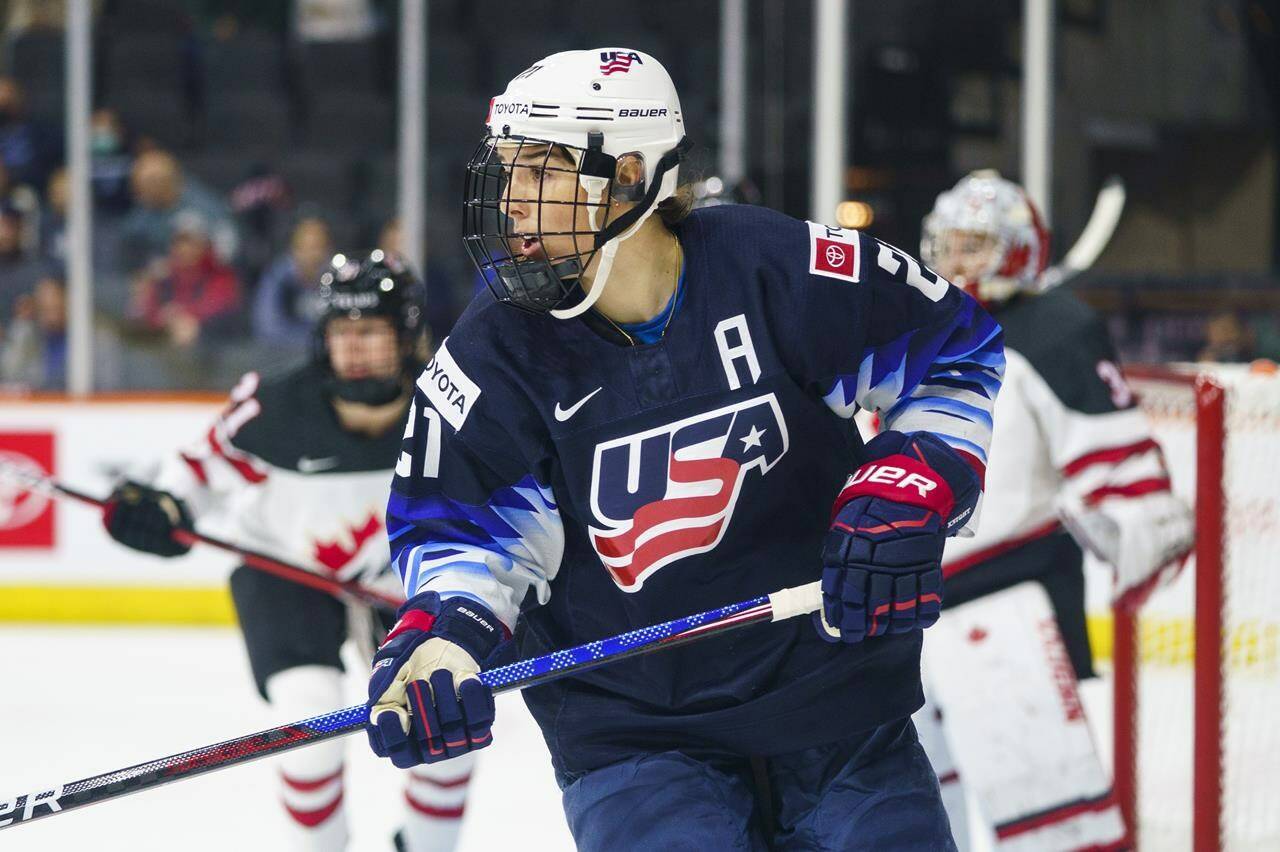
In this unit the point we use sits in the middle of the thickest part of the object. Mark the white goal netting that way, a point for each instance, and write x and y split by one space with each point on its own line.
1170 807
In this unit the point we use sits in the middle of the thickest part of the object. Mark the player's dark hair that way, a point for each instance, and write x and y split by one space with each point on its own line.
674 210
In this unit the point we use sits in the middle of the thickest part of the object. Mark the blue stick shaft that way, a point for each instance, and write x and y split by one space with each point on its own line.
525 673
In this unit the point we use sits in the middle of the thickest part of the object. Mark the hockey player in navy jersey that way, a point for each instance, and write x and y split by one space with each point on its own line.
653 417
297 466
1070 443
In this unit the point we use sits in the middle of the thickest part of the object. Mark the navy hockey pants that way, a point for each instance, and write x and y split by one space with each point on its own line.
874 791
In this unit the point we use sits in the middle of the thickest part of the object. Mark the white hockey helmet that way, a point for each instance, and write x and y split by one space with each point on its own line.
986 236
596 106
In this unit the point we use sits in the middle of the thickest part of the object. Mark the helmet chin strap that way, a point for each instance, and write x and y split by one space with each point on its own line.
607 254
595 186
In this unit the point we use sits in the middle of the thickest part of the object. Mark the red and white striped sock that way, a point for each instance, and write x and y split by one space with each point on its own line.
436 795
311 784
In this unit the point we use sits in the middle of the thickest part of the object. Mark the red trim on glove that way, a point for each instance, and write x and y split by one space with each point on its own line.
414 619
902 479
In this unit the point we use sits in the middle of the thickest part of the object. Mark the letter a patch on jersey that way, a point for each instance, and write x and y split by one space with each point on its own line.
667 493
833 252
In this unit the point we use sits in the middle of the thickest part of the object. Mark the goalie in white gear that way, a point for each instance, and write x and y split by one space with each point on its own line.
1071 456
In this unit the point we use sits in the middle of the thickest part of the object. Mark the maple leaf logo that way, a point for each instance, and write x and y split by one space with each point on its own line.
977 634
338 553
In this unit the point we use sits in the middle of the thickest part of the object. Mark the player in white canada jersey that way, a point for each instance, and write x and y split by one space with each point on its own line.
1070 451
297 467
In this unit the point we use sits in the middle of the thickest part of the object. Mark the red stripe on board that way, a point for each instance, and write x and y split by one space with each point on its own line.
952 568
1110 455
1133 489
313 818
433 811
949 777
311 786
1040 820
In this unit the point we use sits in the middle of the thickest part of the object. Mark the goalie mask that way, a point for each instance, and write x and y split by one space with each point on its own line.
574 140
985 236
365 364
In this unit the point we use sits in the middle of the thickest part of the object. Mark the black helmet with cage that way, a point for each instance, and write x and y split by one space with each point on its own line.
577 116
362 286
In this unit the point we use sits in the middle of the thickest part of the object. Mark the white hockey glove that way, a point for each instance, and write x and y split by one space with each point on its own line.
1144 539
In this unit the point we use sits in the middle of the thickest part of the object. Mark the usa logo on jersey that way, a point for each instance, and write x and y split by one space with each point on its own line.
667 493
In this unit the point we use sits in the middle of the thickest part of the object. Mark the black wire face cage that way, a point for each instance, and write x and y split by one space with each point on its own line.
515 173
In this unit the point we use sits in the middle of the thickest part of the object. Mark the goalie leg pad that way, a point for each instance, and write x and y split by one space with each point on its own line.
929 725
999 669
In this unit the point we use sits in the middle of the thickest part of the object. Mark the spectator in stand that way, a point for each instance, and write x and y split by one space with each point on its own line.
34 354
441 310
26 150
112 162
1227 340
160 191
53 224
190 295
287 304
19 272
23 15
24 202
333 20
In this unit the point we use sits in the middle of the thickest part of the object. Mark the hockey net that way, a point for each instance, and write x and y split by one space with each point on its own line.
1197 668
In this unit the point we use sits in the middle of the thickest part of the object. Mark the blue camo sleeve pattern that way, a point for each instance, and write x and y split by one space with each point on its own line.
464 521
932 358
942 378
492 552
924 354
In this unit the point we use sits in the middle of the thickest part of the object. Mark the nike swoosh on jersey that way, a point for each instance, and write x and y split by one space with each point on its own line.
306 464
563 414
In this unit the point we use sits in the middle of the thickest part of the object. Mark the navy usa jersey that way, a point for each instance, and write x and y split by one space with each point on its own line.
580 488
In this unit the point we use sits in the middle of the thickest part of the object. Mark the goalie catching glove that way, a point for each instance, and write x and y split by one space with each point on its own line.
1145 539
426 703
145 519
882 559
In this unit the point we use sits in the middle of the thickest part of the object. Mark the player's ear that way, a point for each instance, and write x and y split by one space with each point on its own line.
628 178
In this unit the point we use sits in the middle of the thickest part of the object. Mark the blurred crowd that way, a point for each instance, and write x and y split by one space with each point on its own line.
170 265
193 281
236 145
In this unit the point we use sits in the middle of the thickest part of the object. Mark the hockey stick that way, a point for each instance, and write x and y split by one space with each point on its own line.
778 606
1093 239
262 562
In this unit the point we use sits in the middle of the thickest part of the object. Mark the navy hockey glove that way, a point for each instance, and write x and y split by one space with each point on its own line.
425 702
882 559
145 518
